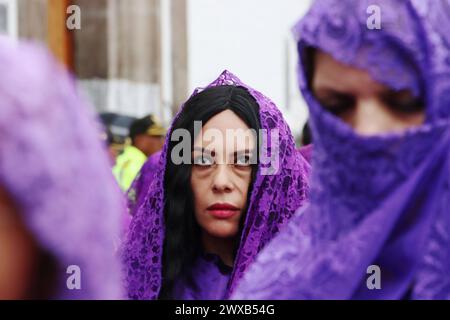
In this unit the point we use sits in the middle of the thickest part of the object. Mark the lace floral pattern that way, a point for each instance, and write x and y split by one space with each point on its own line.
273 201
374 200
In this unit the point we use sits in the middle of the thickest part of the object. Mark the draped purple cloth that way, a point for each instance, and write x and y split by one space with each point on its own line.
206 280
306 153
274 199
138 190
381 200
56 170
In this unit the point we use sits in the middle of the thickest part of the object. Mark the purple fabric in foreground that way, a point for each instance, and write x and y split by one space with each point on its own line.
306 152
381 200
273 201
207 280
56 170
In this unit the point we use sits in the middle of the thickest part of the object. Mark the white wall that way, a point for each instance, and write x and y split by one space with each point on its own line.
9 24
251 38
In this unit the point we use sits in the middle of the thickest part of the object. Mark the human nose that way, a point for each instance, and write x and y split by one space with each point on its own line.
371 117
222 179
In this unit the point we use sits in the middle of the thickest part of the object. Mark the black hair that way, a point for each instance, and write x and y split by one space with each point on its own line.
109 137
140 126
182 242
309 60
306 135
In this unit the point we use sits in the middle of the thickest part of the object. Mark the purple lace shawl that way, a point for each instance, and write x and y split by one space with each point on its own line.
381 200
274 199
56 170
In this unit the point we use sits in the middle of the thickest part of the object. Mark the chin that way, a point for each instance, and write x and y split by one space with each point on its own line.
223 231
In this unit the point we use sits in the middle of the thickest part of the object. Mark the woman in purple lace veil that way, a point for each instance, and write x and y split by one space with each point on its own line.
59 204
378 223
277 188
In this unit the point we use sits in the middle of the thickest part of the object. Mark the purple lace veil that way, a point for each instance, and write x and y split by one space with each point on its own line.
381 200
55 169
274 199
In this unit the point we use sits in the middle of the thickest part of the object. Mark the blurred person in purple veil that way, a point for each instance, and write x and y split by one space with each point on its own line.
204 220
378 222
138 190
59 204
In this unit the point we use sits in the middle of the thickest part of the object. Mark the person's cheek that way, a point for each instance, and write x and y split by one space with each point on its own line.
199 191
18 257
243 186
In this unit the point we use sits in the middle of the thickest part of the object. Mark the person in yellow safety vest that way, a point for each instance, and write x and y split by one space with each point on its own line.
147 137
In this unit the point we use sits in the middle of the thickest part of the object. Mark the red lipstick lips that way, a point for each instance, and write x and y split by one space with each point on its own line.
222 210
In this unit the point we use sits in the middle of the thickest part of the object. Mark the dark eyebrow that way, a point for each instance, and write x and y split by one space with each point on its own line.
401 94
198 149
245 151
203 150
328 93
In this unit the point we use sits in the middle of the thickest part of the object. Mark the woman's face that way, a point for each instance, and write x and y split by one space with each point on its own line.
221 174
368 106
18 253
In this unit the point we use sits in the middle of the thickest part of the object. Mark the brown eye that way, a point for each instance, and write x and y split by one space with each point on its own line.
242 160
404 101
203 161
337 104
